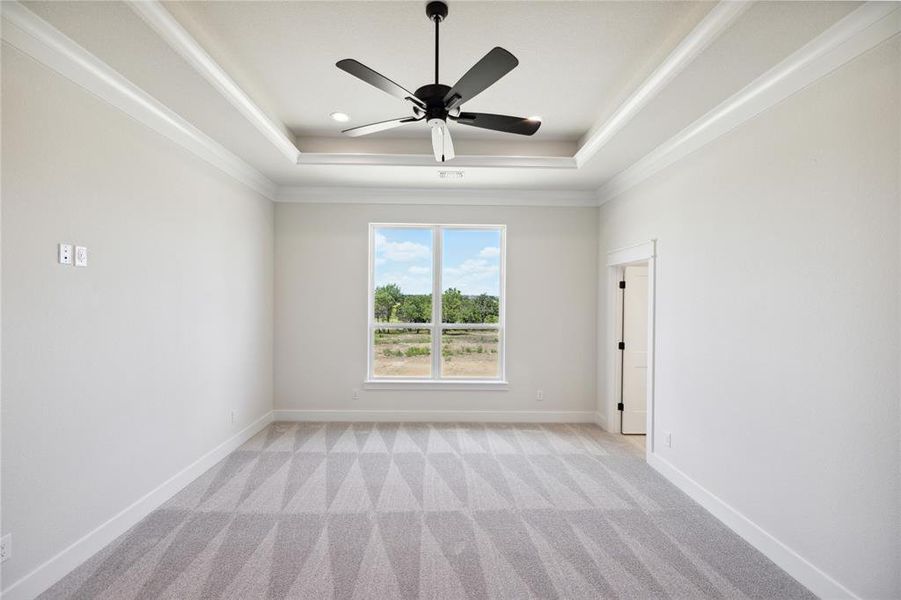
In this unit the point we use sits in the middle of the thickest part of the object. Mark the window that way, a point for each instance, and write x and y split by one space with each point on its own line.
436 303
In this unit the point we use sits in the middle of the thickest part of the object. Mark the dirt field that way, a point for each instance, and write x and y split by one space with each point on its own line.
469 353
403 353
464 353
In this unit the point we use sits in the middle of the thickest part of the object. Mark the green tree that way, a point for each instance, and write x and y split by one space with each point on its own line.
452 306
487 308
386 298
415 308
470 311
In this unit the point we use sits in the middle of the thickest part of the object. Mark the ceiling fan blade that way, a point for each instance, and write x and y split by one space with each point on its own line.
438 144
505 123
448 144
380 126
442 145
482 75
373 78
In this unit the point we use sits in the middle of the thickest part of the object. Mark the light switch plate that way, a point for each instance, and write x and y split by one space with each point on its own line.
81 256
65 254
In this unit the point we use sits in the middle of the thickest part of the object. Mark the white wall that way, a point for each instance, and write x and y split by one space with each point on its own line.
320 314
778 319
118 375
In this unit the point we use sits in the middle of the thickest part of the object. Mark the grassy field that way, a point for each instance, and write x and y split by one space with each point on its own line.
464 353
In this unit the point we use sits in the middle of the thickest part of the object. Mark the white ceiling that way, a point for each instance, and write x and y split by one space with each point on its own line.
572 56
578 62
765 34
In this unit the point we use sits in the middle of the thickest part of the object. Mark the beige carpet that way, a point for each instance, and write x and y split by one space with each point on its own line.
430 511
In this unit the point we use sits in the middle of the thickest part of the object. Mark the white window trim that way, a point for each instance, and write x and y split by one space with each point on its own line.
436 326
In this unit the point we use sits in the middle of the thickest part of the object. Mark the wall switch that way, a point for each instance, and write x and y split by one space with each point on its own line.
81 256
65 254
6 547
539 395
233 417
355 394
668 439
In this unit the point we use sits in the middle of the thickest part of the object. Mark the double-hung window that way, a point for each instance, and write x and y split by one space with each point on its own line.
436 303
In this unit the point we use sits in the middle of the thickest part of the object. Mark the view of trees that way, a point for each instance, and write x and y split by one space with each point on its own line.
393 306
386 300
457 308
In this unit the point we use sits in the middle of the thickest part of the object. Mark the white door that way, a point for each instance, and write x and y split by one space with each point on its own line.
635 353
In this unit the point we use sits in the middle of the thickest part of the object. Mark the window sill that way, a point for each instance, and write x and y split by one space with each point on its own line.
463 384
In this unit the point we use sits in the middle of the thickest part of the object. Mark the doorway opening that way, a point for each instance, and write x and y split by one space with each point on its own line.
633 350
630 339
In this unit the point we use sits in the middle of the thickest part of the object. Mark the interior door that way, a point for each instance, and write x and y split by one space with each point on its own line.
635 353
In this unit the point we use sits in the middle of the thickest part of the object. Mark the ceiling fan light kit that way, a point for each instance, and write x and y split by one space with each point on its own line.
435 103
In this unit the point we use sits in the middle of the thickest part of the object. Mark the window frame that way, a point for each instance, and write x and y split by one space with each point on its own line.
436 327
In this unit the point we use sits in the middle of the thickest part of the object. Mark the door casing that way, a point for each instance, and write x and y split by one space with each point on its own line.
617 260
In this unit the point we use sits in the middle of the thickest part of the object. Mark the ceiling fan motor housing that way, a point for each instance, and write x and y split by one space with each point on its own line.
433 95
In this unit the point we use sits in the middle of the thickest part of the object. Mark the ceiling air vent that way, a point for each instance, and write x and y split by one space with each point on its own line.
450 174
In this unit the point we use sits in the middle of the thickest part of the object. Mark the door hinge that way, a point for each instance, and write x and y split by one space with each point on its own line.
622 285
622 345
620 406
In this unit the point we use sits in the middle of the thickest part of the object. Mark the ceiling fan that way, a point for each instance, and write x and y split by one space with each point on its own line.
436 103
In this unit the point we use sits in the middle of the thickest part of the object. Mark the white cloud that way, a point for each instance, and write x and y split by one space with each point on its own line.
414 270
490 252
473 276
400 251
407 282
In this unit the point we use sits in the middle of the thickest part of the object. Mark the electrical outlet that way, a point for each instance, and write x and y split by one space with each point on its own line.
6 547
355 394
668 439
233 417
81 256
539 395
65 254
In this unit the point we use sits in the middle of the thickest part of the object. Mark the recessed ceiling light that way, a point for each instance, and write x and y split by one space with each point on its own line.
340 117
534 119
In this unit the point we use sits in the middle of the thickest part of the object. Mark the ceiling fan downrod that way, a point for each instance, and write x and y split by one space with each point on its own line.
437 12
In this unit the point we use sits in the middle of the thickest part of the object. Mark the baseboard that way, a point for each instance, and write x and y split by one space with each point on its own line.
600 420
787 559
462 416
44 576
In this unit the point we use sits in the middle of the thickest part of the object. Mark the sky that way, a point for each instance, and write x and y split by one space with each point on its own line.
471 260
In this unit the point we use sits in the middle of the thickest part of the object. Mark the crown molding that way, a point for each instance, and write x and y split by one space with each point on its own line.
170 30
161 20
427 160
25 31
859 31
447 197
185 45
718 20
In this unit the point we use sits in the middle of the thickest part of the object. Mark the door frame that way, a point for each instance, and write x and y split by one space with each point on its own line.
617 261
